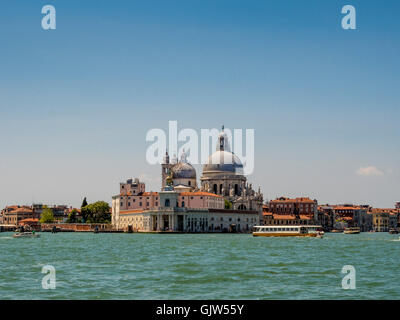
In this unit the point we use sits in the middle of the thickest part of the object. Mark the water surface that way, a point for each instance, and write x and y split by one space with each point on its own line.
199 266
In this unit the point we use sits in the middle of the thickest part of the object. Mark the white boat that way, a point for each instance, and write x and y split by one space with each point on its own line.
352 230
288 231
26 235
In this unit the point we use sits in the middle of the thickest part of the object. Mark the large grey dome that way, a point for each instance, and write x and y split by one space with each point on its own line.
223 161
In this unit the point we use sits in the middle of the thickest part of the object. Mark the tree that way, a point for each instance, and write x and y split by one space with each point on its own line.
84 203
72 216
98 212
47 215
228 204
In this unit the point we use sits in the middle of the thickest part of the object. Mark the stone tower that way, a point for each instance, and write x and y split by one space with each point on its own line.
165 168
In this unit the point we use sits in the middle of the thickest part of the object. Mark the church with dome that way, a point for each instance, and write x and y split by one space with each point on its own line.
223 201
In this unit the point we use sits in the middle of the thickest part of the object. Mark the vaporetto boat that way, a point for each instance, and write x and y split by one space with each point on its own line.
288 231
352 230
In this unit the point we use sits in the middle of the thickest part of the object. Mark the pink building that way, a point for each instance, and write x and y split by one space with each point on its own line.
201 200
133 197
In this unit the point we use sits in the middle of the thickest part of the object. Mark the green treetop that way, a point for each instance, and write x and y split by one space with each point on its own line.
72 216
47 215
84 203
98 212
228 204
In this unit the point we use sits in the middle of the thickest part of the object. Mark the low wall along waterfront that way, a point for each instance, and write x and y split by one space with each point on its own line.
77 227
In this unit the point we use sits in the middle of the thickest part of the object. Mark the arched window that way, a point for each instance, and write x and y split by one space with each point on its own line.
167 204
220 189
215 189
236 190
189 183
183 204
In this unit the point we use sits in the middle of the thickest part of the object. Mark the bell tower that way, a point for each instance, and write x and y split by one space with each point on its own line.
165 167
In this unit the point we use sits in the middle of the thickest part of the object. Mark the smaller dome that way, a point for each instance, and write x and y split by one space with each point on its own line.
183 170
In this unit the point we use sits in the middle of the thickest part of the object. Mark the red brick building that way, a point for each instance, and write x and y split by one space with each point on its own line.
286 211
304 206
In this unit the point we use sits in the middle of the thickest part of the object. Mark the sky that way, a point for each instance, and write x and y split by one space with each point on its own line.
76 102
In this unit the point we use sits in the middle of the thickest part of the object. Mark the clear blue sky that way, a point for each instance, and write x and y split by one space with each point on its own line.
76 102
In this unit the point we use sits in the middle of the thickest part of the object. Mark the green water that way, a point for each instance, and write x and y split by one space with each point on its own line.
199 266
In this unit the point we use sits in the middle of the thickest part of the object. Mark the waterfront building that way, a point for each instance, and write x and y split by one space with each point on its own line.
348 215
393 220
267 217
225 202
31 223
301 205
291 211
287 219
285 211
384 219
59 211
326 217
15 213
380 221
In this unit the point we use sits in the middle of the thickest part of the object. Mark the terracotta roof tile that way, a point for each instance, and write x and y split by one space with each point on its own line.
200 193
345 208
297 200
284 217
